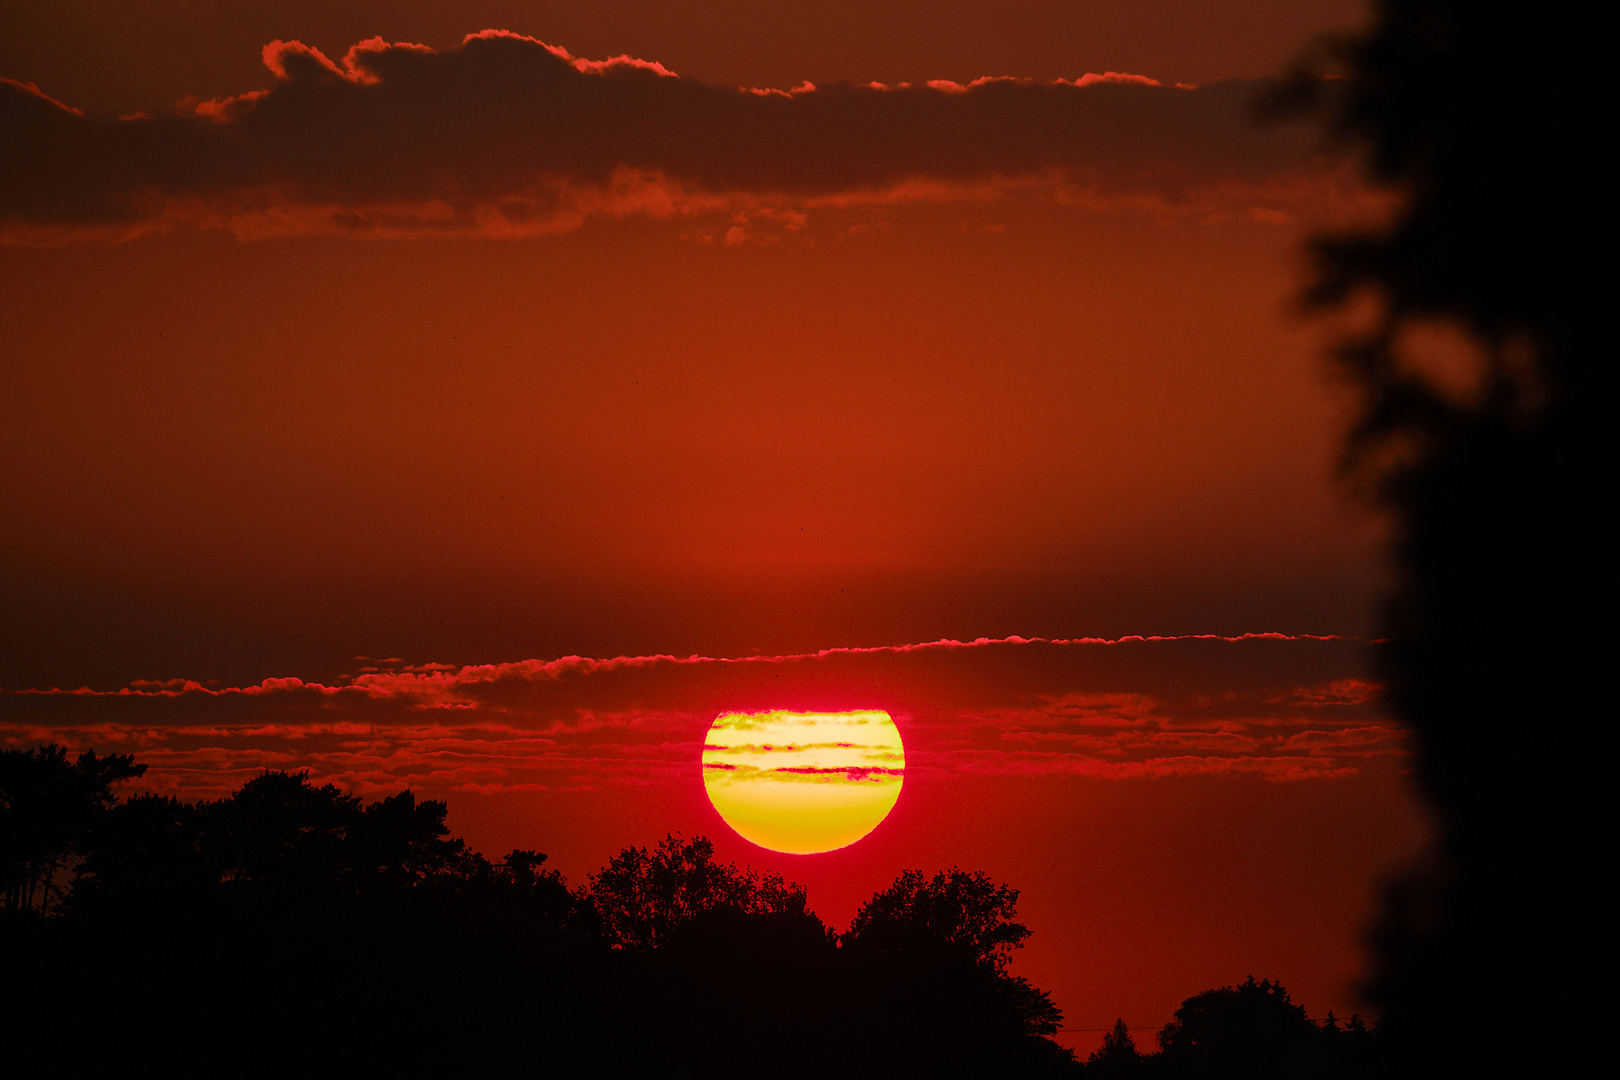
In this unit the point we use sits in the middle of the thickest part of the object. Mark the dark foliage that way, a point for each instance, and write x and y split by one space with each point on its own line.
48 806
291 927
1252 1031
932 955
1247 1032
295 922
1117 1058
644 895
292 916
958 916
1496 639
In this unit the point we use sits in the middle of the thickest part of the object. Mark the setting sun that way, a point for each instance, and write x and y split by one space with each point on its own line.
803 783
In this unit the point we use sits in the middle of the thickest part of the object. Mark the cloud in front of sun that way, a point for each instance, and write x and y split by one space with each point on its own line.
801 782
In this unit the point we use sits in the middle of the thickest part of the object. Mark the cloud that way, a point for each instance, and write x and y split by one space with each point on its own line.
46 102
507 135
1274 706
1276 768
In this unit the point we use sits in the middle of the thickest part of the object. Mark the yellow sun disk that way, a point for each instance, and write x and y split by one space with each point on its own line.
803 783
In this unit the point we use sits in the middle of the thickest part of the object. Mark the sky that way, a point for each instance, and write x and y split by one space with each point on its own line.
484 397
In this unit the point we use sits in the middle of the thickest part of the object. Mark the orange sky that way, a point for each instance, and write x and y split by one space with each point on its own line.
480 357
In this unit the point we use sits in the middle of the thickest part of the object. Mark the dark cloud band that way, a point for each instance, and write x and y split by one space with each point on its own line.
507 131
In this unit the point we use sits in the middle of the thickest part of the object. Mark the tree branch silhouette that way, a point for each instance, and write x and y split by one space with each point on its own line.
1494 640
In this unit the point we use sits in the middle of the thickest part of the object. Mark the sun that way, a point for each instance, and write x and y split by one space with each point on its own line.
801 782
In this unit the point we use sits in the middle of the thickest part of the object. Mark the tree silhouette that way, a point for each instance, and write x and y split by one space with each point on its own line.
290 914
934 951
1495 634
407 842
361 934
1117 1058
281 834
963 914
1349 1050
279 843
48 805
642 895
1252 1030
144 862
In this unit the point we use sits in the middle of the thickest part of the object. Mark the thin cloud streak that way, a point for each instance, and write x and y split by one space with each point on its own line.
1274 706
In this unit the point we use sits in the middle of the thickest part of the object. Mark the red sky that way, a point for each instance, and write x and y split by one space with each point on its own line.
336 416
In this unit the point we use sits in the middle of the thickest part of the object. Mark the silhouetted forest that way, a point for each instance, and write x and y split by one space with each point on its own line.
1495 644
290 926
